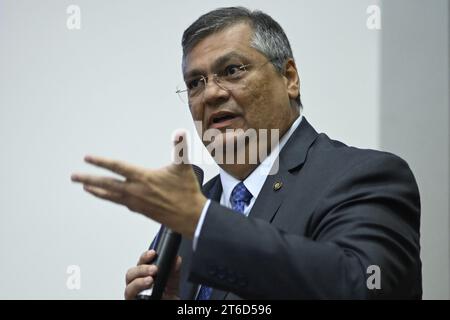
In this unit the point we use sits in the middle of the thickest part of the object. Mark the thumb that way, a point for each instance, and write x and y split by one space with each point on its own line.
180 153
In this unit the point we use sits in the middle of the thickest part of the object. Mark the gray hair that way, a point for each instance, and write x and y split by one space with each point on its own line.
268 38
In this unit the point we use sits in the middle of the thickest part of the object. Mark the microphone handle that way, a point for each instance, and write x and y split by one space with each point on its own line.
167 245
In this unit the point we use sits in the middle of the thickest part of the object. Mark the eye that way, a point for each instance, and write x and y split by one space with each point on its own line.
195 83
233 70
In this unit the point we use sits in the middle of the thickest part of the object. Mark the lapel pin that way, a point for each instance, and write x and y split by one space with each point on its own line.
277 185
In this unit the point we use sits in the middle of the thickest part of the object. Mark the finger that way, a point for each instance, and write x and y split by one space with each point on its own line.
132 203
136 286
104 194
120 167
142 271
146 257
107 183
180 153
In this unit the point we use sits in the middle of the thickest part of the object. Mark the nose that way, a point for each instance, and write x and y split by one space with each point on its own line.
214 92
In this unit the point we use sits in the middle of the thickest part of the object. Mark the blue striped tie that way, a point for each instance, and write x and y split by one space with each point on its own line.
240 197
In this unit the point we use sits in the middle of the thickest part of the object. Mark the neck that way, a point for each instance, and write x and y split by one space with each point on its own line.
239 171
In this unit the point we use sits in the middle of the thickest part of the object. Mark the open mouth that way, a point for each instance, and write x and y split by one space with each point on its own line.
223 118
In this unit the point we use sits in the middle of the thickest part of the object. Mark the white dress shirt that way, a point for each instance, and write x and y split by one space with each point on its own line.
254 182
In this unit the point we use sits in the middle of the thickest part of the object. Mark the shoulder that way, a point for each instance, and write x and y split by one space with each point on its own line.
337 156
333 168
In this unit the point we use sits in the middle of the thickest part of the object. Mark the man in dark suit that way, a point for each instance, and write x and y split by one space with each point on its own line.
332 222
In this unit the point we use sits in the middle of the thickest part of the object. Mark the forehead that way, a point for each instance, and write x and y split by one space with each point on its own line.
236 38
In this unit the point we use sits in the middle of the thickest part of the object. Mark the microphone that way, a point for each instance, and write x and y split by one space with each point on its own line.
166 244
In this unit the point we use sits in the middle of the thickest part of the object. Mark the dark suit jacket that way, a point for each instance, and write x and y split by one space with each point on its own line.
339 211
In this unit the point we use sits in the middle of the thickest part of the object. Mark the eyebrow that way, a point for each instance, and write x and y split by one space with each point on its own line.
219 62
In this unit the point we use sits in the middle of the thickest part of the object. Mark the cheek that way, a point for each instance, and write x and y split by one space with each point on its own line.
196 113
258 91
259 100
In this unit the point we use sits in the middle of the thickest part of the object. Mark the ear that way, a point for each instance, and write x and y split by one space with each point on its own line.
292 79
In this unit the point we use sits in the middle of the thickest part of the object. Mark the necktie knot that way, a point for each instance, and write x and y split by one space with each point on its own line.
240 197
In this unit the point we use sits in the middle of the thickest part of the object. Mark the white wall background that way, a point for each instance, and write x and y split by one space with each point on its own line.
108 89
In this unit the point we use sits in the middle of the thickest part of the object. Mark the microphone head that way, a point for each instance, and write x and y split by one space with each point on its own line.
199 173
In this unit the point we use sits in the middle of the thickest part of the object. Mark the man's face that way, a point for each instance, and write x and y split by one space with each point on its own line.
260 100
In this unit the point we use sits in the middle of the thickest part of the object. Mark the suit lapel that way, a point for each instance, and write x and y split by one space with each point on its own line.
278 185
213 190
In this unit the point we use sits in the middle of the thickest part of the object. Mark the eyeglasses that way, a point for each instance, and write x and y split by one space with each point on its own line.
229 79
